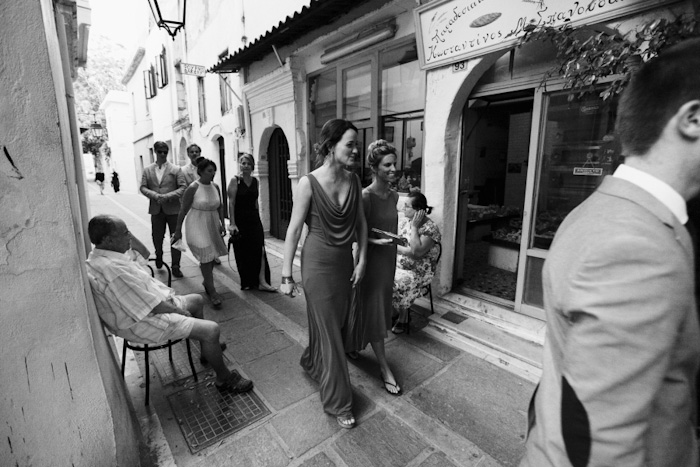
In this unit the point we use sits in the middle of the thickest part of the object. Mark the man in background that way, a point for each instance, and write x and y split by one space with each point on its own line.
163 184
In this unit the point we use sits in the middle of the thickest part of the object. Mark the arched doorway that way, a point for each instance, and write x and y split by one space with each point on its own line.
280 185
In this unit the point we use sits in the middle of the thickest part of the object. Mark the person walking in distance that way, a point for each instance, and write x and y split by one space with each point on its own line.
163 184
622 348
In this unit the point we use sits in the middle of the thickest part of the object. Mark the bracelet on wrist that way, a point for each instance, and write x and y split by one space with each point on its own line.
287 280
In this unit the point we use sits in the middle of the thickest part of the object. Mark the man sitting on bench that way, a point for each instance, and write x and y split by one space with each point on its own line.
135 306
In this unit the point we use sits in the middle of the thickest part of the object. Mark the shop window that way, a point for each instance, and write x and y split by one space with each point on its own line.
162 69
357 92
402 96
322 102
201 99
149 83
578 150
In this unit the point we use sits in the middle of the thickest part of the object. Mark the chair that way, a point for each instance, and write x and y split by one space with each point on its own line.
148 348
426 290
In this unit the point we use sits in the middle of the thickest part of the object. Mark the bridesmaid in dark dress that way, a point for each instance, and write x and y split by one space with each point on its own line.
249 249
373 316
329 201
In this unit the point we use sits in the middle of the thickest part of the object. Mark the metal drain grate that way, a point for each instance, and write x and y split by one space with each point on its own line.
206 415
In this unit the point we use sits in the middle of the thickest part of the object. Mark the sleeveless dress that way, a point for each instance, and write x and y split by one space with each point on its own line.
326 267
371 316
202 225
249 247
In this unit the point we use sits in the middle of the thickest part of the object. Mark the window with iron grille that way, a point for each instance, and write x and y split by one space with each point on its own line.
162 69
202 100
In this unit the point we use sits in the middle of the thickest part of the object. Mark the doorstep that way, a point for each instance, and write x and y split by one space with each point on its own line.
507 339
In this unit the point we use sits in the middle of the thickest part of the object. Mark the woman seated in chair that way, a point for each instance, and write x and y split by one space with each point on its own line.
416 262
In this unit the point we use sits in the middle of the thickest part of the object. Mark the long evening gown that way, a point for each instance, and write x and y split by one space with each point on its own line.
203 225
371 318
326 268
248 248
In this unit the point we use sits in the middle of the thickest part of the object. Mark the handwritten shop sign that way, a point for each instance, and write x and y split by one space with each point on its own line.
196 70
449 31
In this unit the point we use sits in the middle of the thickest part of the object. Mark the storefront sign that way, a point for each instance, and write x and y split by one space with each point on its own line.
450 31
196 70
588 171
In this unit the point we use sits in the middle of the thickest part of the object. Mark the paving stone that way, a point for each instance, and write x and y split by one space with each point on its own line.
492 406
305 425
280 379
381 441
257 449
319 460
427 344
251 338
437 459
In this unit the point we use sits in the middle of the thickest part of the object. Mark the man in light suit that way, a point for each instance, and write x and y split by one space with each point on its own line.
163 184
623 342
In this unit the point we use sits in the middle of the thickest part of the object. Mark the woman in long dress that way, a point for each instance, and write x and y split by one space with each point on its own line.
374 311
329 201
416 262
202 206
249 247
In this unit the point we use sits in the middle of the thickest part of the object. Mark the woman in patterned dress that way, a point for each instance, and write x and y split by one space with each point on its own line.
415 263
201 204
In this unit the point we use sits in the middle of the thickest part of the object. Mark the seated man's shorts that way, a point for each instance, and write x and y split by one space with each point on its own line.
180 326
151 329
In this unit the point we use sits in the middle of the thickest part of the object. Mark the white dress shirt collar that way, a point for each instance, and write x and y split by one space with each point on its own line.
655 187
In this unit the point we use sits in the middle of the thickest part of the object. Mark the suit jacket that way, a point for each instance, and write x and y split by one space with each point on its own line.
172 185
623 343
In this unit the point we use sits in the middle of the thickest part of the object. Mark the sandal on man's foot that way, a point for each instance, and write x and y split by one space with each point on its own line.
399 328
235 383
346 421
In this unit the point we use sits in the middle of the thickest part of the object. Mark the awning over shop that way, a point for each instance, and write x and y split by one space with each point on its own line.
317 14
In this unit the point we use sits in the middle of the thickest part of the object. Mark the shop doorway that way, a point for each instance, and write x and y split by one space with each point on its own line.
280 185
493 176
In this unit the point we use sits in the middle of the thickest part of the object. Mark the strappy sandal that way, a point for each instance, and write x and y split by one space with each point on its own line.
267 288
346 421
399 328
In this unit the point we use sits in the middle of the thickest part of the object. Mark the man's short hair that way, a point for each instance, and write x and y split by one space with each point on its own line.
655 93
193 145
100 227
160 144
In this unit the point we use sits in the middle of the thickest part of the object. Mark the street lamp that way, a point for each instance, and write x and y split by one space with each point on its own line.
170 25
96 130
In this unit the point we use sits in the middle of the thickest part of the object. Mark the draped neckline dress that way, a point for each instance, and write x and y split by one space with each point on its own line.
326 267
248 249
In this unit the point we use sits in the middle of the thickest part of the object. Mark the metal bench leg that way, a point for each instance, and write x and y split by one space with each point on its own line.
189 357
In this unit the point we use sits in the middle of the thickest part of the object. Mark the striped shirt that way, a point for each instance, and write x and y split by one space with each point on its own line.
125 294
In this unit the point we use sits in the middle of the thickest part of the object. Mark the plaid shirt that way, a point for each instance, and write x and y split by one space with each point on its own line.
125 294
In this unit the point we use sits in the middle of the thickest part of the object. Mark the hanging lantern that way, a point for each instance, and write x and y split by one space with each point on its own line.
170 25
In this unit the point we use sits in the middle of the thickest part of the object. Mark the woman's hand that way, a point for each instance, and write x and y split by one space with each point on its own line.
222 229
418 219
380 241
176 236
232 229
358 273
289 287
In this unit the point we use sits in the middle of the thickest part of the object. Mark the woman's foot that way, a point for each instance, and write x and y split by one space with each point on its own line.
267 288
346 421
214 297
399 328
389 386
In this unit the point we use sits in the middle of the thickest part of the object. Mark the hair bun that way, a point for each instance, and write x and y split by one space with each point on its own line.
199 159
380 143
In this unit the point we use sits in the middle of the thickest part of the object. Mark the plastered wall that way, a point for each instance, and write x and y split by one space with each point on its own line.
61 398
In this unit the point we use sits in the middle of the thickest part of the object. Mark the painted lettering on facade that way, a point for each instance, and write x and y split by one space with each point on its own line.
455 30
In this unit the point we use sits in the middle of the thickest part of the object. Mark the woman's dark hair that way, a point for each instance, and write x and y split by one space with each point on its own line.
100 227
203 163
377 150
248 156
418 202
331 133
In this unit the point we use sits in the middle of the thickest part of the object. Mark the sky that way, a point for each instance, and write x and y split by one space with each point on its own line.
115 19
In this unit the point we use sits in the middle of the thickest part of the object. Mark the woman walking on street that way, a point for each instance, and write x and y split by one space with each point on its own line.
372 316
246 228
329 201
202 206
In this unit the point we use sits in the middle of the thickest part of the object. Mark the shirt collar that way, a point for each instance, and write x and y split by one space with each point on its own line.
108 254
655 187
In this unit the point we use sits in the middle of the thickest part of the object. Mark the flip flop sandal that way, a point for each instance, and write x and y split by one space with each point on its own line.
396 386
346 421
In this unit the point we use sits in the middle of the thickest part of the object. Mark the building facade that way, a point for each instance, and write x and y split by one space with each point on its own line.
493 141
